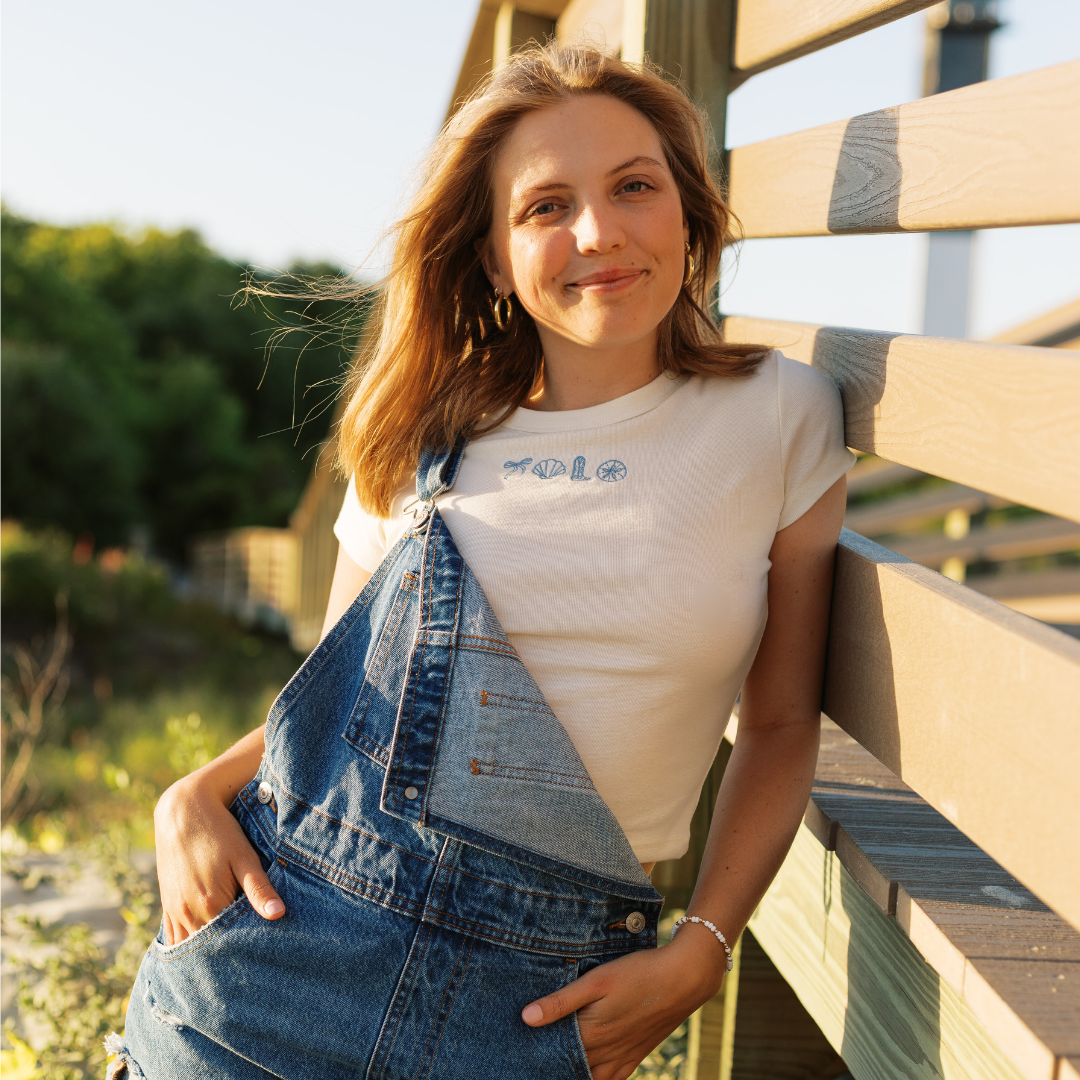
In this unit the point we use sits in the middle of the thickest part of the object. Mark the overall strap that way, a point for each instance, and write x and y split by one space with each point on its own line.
437 469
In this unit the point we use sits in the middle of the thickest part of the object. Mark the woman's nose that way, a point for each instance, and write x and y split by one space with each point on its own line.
598 230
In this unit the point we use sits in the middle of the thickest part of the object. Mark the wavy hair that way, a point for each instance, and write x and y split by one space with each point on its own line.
437 365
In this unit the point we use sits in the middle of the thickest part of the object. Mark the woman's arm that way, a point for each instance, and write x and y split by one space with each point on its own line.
626 1007
203 857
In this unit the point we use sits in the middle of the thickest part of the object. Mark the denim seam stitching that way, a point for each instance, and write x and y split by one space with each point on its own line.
524 704
455 981
306 859
544 776
344 824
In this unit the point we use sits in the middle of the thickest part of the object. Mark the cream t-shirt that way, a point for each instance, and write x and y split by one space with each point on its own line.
625 550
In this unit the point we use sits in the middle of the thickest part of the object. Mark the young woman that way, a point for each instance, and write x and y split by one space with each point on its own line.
579 524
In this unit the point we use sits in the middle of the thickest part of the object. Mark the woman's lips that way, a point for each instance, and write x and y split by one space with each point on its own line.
609 280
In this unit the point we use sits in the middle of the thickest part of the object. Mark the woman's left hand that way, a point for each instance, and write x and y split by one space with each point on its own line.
627 1007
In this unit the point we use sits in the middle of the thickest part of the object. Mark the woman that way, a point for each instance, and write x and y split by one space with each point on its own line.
578 524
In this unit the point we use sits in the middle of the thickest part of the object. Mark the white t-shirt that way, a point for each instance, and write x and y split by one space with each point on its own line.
624 549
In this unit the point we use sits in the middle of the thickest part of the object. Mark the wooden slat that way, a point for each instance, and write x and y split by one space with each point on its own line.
906 511
1014 965
1005 152
1001 418
971 704
1057 329
1046 583
1021 540
771 32
885 1010
874 473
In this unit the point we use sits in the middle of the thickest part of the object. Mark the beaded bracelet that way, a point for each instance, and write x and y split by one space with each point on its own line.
709 926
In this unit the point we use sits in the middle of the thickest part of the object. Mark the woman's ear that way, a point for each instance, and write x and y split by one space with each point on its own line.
491 266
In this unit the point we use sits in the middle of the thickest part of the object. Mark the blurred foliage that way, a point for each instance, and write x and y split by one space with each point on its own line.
138 393
139 656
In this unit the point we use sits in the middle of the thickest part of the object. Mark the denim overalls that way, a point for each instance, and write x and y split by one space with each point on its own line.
442 853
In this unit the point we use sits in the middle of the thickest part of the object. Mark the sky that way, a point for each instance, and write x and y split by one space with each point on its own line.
293 130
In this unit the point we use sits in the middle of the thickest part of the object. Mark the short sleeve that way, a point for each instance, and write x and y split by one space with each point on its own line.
362 535
812 446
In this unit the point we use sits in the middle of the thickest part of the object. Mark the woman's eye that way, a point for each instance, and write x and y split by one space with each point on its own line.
635 187
544 208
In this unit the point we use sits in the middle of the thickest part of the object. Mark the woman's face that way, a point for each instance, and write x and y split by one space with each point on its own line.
588 227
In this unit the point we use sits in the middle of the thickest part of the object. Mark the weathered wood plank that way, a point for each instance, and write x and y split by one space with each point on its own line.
1020 540
1000 418
885 1010
772 32
905 511
937 682
1046 583
1057 329
1004 152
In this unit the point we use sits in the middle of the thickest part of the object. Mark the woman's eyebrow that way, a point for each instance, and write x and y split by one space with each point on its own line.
641 160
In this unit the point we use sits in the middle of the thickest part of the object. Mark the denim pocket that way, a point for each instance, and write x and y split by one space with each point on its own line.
371 722
219 923
515 743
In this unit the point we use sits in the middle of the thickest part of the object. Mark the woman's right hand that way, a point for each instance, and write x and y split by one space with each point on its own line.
204 859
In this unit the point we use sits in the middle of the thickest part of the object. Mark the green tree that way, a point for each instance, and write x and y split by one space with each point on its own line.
137 391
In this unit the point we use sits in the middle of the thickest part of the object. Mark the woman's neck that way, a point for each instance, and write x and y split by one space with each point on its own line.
579 376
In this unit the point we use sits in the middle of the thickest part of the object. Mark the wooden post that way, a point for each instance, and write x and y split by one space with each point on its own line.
515 28
690 39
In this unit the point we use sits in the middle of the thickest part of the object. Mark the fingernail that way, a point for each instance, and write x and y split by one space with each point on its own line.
274 907
532 1014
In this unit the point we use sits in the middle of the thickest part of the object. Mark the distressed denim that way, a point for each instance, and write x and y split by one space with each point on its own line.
442 853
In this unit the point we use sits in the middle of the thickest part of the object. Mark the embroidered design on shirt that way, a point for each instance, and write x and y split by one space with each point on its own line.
579 470
517 468
549 468
610 471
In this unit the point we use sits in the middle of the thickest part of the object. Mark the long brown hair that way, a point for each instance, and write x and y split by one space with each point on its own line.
438 364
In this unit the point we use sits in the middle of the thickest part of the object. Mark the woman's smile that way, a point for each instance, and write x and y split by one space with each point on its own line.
615 279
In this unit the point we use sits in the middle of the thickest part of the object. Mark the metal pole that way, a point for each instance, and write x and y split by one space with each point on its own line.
957 54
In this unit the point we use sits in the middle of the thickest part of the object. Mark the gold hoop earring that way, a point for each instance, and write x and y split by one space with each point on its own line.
502 321
690 269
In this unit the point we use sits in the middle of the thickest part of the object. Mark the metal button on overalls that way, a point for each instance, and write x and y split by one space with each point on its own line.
265 793
411 793
635 922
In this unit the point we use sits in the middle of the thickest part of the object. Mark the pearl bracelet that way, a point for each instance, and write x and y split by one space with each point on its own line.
709 926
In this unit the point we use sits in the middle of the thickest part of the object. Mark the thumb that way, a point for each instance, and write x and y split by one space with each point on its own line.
573 996
257 888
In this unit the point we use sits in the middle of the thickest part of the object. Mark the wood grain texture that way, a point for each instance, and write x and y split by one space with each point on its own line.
771 32
1000 418
999 153
1013 962
937 682
884 1009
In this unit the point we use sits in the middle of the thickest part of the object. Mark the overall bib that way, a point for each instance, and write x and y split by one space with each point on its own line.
443 856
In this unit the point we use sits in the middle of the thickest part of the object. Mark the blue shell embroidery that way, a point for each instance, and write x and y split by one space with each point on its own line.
579 470
549 468
610 471
517 468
